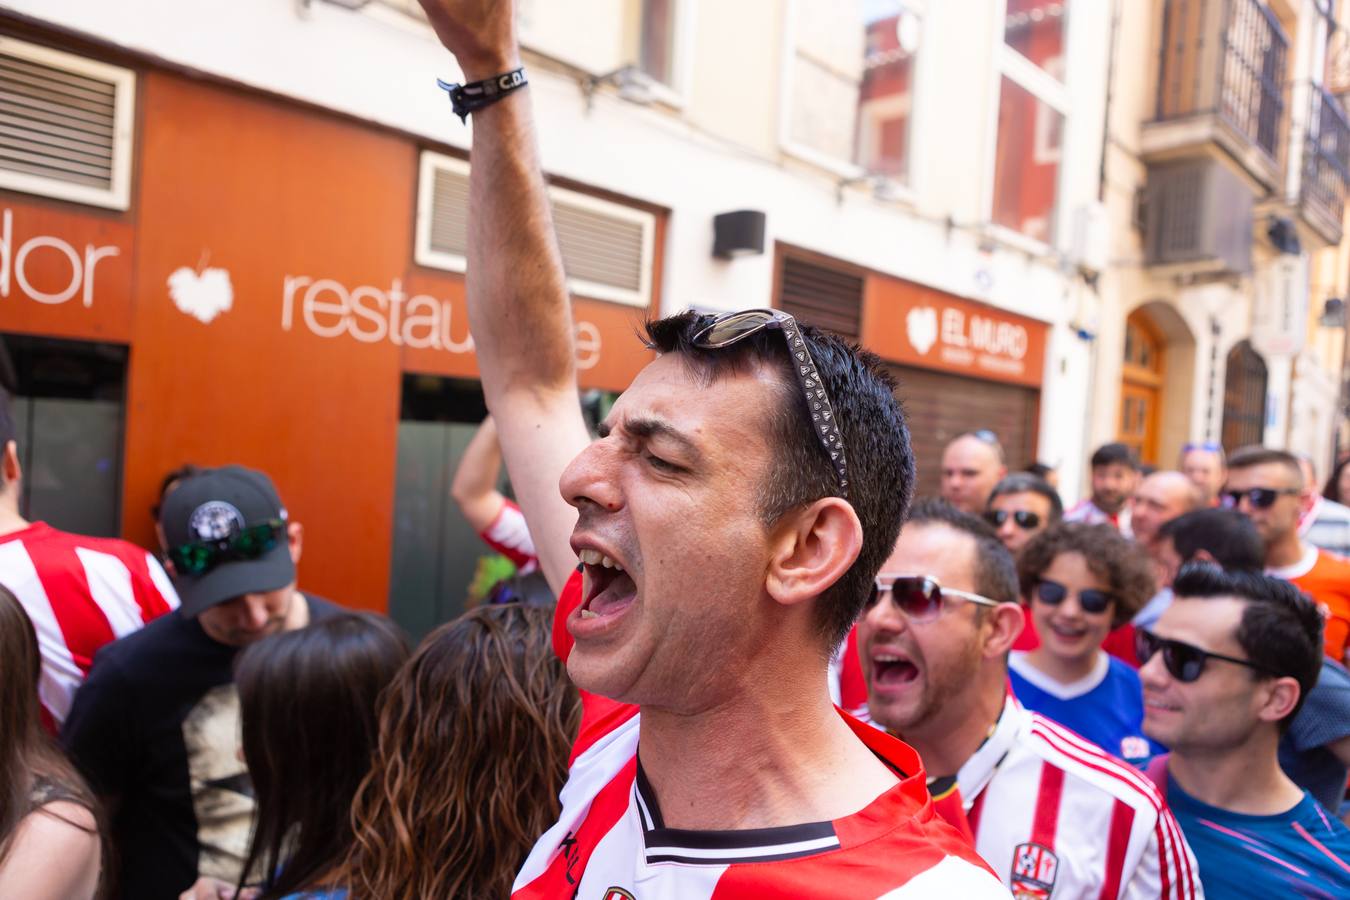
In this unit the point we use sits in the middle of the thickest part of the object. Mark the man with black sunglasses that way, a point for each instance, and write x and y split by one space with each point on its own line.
1267 486
1226 669
155 728
1020 507
729 522
1041 803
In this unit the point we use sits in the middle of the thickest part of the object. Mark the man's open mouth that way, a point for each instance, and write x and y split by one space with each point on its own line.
888 669
1068 632
609 589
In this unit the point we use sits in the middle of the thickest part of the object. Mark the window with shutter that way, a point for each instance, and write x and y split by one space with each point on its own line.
821 295
65 125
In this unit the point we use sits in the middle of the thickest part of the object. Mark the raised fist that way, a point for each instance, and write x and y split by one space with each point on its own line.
480 33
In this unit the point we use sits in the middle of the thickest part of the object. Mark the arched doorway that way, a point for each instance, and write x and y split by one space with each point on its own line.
1141 383
1244 397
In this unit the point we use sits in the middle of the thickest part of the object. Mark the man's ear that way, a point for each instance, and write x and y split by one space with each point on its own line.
9 463
1281 696
811 549
1001 627
295 537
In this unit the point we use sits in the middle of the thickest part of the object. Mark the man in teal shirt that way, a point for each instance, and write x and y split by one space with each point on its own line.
1225 670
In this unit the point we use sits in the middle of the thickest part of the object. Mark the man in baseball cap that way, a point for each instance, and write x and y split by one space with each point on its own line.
155 727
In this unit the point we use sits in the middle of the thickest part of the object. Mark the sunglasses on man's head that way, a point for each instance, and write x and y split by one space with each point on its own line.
1025 519
919 597
730 328
1090 600
1208 446
1184 662
1259 498
200 557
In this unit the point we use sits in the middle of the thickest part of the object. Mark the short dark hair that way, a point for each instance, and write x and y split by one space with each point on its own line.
1112 454
1225 534
1280 629
1254 455
1040 470
871 424
1026 483
1121 564
995 571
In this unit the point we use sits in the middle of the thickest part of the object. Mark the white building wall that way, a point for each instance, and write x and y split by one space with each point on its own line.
716 146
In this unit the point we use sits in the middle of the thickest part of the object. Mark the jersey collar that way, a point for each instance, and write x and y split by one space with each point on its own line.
979 770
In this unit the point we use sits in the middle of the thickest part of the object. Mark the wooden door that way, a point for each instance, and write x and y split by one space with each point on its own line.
1141 387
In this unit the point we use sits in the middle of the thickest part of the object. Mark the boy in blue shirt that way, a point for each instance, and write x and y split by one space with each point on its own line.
1225 670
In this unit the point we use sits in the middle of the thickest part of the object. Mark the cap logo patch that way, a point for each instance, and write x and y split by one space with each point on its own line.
215 520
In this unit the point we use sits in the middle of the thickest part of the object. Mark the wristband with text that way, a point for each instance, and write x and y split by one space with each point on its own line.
476 95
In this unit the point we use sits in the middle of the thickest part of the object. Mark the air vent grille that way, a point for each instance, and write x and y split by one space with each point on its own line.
606 247
64 125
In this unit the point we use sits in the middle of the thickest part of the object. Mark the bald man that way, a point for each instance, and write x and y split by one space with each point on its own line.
1205 465
1159 497
971 465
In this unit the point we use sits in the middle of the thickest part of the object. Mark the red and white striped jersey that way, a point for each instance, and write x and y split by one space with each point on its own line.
81 593
610 842
510 536
1057 817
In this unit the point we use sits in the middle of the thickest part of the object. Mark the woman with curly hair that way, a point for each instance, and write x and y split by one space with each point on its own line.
50 846
1080 582
474 737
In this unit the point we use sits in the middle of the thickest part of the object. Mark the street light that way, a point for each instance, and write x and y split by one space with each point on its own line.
633 84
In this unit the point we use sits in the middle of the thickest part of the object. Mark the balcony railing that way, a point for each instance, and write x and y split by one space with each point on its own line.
1227 59
1326 164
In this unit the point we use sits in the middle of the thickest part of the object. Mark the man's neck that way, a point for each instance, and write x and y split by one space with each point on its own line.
947 741
777 757
1246 779
10 520
1286 551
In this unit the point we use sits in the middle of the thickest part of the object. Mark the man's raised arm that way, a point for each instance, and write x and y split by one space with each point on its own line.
519 312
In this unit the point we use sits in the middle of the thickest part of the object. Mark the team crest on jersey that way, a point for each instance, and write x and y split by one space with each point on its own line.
1034 868
618 893
215 520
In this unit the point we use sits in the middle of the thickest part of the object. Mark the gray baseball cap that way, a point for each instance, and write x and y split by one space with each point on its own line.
205 515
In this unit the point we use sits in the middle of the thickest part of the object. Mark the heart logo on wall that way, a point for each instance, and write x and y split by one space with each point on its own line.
202 294
921 327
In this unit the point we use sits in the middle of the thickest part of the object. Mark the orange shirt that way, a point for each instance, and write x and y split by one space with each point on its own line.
1327 580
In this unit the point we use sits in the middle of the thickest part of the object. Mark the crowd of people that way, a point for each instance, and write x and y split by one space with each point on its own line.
722 668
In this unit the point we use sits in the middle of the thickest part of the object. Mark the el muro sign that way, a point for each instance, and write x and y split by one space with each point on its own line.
918 326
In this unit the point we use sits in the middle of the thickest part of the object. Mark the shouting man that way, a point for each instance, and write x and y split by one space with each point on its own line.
729 521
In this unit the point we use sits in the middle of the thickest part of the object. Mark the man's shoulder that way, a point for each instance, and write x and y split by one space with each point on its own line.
164 634
1096 774
322 607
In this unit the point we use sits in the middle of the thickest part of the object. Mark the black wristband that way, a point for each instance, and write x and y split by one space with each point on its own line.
476 95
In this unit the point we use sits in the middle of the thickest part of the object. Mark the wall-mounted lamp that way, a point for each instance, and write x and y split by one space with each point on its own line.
1333 313
883 188
633 84
1283 235
739 233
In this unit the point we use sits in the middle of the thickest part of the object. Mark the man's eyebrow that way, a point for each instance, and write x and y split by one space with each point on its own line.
648 427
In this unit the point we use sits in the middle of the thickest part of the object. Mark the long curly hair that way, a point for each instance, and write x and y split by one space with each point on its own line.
475 734
1119 563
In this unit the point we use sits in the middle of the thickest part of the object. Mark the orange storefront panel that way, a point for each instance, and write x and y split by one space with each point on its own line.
264 281
920 326
65 270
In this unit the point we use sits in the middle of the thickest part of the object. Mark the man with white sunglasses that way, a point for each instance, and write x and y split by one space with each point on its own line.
1053 814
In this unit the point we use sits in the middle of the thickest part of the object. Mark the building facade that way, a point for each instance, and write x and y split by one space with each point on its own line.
1228 155
237 234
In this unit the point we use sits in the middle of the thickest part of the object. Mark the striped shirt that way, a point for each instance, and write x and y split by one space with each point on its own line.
81 593
1057 817
611 842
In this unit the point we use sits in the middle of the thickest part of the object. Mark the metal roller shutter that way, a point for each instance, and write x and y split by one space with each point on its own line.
941 406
